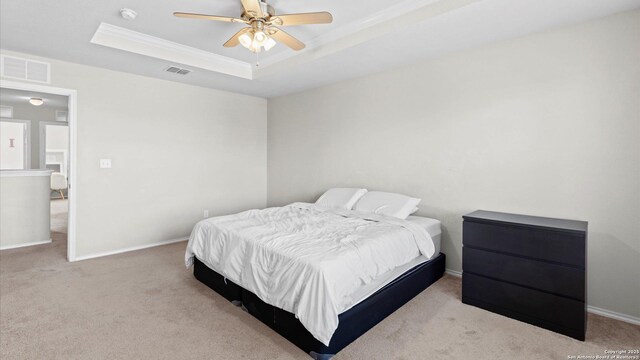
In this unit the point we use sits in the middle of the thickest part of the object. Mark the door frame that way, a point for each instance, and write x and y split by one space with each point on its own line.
72 96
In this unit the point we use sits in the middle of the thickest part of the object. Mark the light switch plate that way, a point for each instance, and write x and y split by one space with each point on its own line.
105 163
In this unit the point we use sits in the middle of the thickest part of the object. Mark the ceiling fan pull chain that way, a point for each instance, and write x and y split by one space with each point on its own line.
257 59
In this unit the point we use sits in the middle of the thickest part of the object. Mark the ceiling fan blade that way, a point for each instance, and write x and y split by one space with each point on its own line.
286 39
302 19
207 17
234 41
253 8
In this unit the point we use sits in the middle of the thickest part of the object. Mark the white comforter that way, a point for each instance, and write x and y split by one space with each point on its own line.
306 259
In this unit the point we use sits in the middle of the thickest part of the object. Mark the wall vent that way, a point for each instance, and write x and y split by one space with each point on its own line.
24 69
177 70
6 111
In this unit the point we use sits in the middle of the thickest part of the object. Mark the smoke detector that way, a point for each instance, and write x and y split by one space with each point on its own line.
128 14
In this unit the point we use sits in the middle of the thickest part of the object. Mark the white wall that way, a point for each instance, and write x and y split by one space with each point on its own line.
57 138
24 208
176 150
544 125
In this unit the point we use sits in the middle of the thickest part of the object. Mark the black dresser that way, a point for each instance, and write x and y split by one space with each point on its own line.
528 268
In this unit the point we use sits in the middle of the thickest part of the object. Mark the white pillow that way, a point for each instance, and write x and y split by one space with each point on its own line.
389 204
341 198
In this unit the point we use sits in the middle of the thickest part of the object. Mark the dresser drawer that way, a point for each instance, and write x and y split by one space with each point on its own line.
538 308
557 246
553 278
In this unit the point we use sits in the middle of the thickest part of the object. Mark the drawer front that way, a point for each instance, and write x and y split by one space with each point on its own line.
560 247
567 313
557 279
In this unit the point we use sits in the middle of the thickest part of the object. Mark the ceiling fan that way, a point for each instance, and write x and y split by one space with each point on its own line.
263 30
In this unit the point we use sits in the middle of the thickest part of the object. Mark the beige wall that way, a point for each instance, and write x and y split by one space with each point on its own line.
24 209
545 125
176 151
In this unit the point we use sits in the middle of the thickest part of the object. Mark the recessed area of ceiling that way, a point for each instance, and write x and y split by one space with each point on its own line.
368 29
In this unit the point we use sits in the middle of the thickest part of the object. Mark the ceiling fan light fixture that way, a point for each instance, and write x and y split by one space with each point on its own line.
262 32
255 47
260 37
246 39
256 40
269 43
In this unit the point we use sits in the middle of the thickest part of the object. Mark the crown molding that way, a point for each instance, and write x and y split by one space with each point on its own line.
135 42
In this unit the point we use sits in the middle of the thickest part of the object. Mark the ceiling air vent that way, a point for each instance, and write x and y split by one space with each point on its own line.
177 70
24 69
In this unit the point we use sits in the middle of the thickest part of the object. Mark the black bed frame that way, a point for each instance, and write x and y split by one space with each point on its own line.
352 323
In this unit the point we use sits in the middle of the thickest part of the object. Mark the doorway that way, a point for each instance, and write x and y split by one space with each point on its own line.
54 156
43 141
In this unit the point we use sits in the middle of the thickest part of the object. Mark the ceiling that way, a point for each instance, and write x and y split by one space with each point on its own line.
362 39
11 96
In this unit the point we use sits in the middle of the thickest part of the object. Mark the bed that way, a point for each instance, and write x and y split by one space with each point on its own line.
319 277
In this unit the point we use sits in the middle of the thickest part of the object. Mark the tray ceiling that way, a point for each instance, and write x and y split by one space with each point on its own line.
362 39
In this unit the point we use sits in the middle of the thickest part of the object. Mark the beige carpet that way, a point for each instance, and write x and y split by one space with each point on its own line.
146 305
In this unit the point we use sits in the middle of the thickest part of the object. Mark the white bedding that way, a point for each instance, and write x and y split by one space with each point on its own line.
433 228
431 225
307 259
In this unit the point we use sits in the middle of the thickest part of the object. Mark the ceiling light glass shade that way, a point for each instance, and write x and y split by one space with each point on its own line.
246 39
260 37
255 40
36 101
268 44
255 47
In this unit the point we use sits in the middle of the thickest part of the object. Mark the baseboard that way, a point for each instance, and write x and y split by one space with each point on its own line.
592 309
25 244
132 248
613 315
453 272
